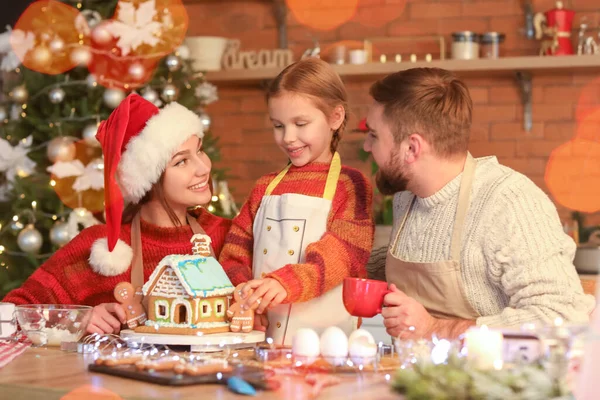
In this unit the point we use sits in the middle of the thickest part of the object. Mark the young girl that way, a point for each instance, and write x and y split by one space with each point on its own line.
154 161
302 231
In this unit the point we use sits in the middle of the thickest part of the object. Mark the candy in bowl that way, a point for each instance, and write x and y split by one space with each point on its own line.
52 324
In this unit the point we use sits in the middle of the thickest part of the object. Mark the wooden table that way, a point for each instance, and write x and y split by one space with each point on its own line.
48 374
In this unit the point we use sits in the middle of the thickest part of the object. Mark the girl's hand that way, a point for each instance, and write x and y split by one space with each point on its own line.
107 318
268 292
261 323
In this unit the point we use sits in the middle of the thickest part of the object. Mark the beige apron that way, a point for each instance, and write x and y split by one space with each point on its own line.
438 286
283 227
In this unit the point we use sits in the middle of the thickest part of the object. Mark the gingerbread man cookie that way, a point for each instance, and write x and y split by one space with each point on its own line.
241 320
131 300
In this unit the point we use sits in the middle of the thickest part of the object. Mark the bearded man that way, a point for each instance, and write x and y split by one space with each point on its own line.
474 242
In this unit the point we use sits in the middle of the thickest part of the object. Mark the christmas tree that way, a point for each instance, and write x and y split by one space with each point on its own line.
66 66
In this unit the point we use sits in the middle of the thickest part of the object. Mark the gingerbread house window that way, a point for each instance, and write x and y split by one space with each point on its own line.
205 309
220 306
162 309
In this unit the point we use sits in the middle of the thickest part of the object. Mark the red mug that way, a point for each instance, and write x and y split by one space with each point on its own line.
364 297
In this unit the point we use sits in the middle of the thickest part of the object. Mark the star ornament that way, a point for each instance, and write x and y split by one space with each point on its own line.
127 48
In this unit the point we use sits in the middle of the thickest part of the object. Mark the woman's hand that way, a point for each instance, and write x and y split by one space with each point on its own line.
107 318
268 292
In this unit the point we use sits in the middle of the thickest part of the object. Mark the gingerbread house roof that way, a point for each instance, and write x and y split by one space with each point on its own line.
197 276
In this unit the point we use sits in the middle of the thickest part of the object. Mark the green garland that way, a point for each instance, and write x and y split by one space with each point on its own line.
457 381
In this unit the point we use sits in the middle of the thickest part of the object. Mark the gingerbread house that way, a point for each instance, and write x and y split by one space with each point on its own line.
188 294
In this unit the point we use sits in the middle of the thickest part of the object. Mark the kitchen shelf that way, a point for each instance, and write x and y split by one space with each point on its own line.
507 66
520 68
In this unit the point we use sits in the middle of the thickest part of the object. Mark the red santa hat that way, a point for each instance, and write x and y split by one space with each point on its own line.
138 140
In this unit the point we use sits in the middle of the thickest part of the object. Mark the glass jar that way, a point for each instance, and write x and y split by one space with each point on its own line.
465 45
490 44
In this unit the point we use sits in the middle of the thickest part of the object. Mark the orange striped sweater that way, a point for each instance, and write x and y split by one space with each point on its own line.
342 251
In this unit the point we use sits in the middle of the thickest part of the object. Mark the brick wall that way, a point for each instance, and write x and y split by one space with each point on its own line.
240 116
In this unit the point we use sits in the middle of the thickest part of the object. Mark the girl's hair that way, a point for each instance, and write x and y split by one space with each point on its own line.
316 79
158 191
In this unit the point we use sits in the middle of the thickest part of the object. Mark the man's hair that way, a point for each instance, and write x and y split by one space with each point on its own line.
429 101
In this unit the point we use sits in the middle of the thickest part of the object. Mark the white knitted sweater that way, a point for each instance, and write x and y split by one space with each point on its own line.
516 261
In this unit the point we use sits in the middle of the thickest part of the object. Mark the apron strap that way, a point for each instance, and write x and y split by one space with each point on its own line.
332 177
404 218
330 185
277 179
137 264
464 197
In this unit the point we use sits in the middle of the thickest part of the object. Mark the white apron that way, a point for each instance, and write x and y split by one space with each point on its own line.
284 225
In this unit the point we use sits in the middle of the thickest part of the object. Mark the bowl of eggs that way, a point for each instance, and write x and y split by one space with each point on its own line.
334 347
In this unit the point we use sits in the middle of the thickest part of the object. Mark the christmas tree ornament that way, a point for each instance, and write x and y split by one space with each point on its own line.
183 51
113 97
150 94
173 63
47 23
89 135
61 149
91 81
169 93
101 34
80 217
141 31
89 177
14 161
205 118
29 240
79 183
16 226
40 56
56 45
136 71
59 234
81 56
56 95
3 114
19 94
87 20
207 93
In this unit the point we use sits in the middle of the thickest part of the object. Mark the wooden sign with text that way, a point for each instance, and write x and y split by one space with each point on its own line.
233 58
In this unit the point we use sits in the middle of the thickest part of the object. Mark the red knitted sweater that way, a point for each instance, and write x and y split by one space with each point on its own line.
342 251
67 278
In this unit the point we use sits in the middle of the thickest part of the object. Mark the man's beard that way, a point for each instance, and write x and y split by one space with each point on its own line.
390 178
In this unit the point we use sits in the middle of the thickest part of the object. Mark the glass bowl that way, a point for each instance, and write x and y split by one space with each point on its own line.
52 324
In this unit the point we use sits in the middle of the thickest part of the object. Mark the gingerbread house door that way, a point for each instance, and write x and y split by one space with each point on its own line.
182 313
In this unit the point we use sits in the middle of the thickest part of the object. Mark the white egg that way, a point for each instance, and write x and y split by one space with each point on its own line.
305 346
362 347
334 346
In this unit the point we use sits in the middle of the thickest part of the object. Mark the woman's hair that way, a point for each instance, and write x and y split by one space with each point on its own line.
316 79
158 191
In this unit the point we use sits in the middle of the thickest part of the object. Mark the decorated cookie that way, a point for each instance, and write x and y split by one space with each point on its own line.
131 300
241 320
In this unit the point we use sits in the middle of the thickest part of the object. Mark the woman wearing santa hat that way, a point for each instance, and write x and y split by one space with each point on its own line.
155 164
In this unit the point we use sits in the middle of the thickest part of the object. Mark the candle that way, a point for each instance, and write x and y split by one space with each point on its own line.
484 347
